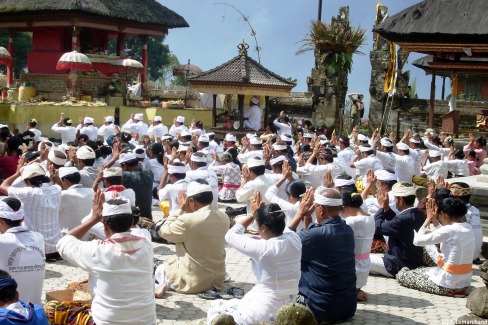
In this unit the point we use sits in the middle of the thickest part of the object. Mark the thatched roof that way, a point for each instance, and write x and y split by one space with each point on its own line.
439 21
141 11
242 71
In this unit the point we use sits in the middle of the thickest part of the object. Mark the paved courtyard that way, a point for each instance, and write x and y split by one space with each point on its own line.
388 303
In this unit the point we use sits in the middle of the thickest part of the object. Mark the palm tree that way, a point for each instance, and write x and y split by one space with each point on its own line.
334 45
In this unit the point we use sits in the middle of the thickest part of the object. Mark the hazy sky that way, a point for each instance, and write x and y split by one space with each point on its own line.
216 29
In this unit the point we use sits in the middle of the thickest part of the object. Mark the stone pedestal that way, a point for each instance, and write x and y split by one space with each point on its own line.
484 167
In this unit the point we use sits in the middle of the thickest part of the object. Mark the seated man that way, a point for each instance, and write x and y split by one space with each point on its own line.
120 267
328 282
15 311
22 250
199 234
400 229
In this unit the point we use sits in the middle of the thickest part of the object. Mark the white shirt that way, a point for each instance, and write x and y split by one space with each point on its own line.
170 192
90 130
37 134
373 206
283 128
157 130
246 192
244 157
120 276
435 169
458 167
404 168
22 256
387 160
106 131
253 115
157 169
444 151
363 228
290 209
276 267
210 176
139 127
474 219
177 129
68 133
365 164
76 203
347 155
457 246
417 156
41 206
88 175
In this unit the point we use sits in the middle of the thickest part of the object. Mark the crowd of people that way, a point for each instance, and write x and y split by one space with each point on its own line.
325 211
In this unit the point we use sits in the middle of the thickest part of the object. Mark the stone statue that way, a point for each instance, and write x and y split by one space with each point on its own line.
115 87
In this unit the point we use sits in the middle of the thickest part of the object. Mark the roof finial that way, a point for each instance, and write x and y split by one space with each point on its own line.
243 48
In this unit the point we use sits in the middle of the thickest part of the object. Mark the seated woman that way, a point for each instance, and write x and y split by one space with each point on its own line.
231 176
456 238
363 226
275 264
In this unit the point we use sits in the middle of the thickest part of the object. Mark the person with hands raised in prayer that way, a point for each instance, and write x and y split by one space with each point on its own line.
400 229
445 225
275 256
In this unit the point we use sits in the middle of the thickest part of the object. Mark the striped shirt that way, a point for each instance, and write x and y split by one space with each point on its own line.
41 206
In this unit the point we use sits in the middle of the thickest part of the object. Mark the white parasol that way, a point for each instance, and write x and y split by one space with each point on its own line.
130 65
74 61
5 56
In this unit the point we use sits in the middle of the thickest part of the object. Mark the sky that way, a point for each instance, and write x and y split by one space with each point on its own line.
216 30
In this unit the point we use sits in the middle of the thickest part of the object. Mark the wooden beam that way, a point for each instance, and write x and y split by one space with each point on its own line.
432 101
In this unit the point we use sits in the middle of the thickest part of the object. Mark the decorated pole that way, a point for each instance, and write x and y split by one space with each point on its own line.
144 63
10 64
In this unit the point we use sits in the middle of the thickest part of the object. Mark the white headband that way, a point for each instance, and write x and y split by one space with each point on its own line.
386 143
6 212
322 200
195 188
339 182
277 160
196 158
55 160
279 147
112 209
176 169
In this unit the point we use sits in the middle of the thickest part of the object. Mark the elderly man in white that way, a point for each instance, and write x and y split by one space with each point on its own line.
108 128
178 126
157 129
88 128
127 295
65 128
135 124
22 253
252 116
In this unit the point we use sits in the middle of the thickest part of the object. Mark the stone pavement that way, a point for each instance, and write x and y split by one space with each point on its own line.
388 303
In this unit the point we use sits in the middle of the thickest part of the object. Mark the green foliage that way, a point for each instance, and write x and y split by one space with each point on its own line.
22 45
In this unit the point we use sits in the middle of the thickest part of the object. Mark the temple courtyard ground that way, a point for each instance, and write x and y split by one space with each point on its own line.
388 303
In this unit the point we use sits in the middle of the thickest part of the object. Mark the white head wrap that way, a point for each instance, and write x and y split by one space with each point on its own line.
182 148
55 160
251 135
195 188
140 153
254 100
365 149
386 142
434 153
176 169
362 137
185 133
166 137
308 135
339 182
109 119
286 137
276 160
112 209
254 162
85 152
138 116
414 140
203 138
6 212
158 118
230 137
196 158
112 172
180 119
384 176
277 146
402 146
32 170
65 171
322 200
127 157
88 120
255 141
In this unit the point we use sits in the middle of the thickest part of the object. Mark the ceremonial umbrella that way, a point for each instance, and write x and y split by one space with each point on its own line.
5 56
73 61
185 70
129 66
